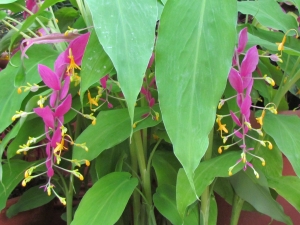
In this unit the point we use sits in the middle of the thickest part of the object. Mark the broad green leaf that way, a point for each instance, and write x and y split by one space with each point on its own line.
246 186
189 63
204 175
282 129
126 30
95 64
9 98
32 198
166 167
290 191
109 197
269 14
103 135
13 173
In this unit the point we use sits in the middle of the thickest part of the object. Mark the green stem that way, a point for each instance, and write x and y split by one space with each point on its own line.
135 196
145 174
69 199
285 87
205 197
14 28
236 209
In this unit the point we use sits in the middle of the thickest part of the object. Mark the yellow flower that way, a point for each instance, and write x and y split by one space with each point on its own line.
281 44
72 64
92 101
260 119
222 127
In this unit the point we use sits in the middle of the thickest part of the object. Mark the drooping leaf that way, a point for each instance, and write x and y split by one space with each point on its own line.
166 167
269 14
290 191
103 135
165 201
110 194
118 27
186 70
95 64
282 129
13 174
246 186
32 198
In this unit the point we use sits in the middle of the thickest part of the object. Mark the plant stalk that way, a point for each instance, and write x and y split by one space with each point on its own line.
205 197
236 209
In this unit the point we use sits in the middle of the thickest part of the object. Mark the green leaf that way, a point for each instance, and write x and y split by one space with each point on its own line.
165 201
289 191
2 15
31 128
66 17
166 167
110 195
103 135
269 14
13 173
32 198
95 64
246 186
282 129
9 98
126 30
186 71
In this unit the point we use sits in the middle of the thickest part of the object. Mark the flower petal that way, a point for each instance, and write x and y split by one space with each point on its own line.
49 77
235 80
78 46
47 115
235 118
65 88
243 39
248 65
64 107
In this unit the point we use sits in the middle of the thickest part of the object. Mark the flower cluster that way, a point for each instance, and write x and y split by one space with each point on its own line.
60 101
240 78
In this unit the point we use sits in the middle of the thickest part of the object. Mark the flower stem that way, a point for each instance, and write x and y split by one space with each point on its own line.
236 209
69 198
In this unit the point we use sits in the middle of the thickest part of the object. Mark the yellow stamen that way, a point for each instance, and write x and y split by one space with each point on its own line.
72 64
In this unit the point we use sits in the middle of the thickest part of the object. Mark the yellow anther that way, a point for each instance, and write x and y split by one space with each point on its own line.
87 163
